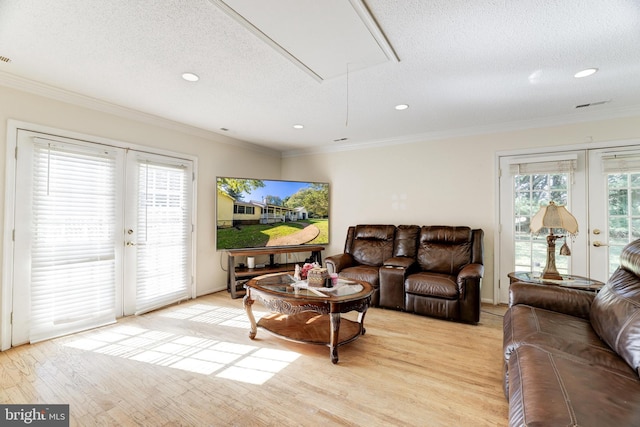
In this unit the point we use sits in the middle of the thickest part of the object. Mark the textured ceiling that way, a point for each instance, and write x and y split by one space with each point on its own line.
465 67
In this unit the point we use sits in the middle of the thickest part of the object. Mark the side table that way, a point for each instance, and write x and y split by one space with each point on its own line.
568 281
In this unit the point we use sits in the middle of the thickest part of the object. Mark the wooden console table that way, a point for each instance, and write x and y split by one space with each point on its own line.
236 273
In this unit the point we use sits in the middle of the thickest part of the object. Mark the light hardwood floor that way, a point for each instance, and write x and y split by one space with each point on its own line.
193 364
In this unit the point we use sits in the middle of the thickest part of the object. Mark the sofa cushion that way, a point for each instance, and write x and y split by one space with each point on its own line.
375 232
365 273
558 333
553 389
406 241
615 315
443 249
372 244
432 284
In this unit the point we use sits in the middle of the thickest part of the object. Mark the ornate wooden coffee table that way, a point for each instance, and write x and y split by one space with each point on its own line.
303 315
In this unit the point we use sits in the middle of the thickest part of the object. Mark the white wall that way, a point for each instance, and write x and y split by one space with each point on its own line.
444 182
215 158
449 181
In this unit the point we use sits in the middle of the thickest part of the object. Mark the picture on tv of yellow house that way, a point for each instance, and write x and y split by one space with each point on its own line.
254 213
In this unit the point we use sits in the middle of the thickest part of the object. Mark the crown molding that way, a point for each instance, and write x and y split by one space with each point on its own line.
568 119
36 88
25 85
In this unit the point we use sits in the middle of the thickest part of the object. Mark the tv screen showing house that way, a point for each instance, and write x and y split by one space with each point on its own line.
254 213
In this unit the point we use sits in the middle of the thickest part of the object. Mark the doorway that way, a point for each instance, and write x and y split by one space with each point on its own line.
100 231
600 187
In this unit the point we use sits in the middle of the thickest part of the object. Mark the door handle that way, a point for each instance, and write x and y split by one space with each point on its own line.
598 243
134 243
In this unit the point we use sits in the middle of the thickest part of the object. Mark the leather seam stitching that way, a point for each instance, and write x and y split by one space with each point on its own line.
521 388
536 320
624 327
563 389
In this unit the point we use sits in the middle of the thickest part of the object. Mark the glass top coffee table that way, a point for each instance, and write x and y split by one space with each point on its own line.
308 314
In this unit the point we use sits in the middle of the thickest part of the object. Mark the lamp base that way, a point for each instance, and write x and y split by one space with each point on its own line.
550 271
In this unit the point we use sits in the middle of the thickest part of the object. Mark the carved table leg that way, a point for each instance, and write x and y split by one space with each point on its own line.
248 302
335 329
361 320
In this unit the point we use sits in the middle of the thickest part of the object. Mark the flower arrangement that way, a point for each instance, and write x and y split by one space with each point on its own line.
304 271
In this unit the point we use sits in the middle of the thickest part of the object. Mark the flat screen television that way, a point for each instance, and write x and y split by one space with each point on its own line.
256 213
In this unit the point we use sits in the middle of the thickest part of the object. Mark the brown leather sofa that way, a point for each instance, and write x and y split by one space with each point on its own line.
430 270
571 357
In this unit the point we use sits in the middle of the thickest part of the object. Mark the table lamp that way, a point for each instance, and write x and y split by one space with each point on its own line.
558 217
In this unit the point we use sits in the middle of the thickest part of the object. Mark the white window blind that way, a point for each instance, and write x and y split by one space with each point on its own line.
544 166
621 163
164 234
73 231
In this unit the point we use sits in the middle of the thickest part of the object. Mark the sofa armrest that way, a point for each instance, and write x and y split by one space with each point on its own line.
574 302
392 275
468 280
337 263
470 271
392 286
399 262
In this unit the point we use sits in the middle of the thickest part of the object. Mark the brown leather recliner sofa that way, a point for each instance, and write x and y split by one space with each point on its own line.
571 357
430 270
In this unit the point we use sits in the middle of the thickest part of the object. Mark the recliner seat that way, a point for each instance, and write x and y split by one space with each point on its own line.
447 284
365 250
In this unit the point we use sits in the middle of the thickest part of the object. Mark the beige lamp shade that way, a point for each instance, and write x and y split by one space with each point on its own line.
554 216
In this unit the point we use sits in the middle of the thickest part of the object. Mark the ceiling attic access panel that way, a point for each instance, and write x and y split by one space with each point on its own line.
326 39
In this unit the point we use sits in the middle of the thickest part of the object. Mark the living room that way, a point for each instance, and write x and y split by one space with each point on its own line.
432 177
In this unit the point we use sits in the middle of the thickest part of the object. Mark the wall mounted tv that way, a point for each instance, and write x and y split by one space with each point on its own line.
255 213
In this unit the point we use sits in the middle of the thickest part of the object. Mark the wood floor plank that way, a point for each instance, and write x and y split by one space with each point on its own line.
193 364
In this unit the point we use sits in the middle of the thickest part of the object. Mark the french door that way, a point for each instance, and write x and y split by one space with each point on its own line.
100 232
526 183
614 206
600 187
158 228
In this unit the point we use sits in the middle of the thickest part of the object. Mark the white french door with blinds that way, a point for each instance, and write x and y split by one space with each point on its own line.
600 187
614 206
100 232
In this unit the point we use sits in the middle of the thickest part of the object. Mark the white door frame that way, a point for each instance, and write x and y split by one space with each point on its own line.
498 283
13 126
576 203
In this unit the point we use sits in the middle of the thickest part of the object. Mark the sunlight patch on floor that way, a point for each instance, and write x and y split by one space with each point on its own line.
238 362
214 315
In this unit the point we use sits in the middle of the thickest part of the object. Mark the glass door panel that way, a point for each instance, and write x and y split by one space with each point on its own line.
614 206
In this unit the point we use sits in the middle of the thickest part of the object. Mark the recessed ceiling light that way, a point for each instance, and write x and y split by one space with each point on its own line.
190 77
585 73
298 126
401 107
